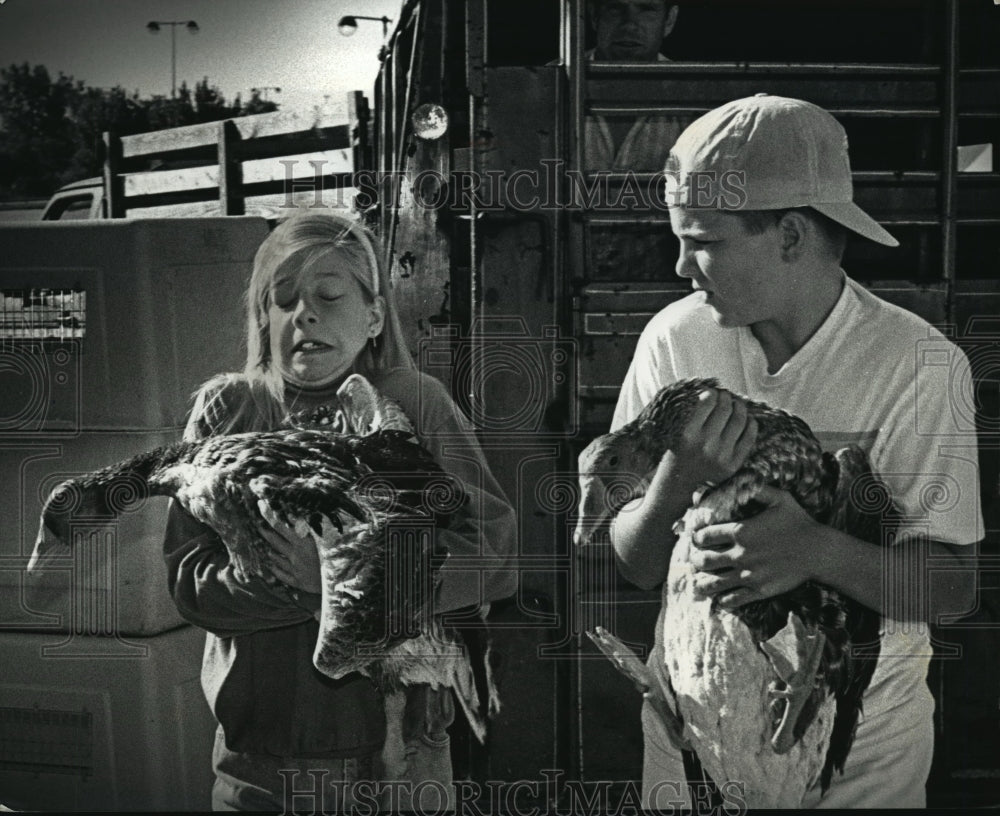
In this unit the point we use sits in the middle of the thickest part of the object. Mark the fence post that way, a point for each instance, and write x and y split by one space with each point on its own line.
231 200
359 117
114 184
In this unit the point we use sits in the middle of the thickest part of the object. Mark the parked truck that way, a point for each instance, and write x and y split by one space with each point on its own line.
539 300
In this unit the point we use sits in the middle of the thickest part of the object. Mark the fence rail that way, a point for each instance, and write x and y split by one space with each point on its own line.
225 146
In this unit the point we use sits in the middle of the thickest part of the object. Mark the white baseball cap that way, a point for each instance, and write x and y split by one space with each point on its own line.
768 152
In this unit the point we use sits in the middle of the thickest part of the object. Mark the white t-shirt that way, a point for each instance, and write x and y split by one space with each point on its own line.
874 375
645 147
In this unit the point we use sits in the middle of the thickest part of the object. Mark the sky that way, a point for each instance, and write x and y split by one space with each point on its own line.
242 44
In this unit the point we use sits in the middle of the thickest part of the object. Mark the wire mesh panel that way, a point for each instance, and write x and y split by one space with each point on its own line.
42 314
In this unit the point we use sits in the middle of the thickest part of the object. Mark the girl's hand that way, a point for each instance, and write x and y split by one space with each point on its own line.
294 560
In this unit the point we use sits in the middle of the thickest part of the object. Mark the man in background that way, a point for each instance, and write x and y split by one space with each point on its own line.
629 31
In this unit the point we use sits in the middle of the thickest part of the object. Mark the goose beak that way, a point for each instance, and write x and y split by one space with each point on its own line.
47 546
592 510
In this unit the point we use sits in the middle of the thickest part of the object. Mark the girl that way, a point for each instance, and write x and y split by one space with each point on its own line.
320 308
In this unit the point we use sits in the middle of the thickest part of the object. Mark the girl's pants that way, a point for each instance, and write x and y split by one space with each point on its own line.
411 772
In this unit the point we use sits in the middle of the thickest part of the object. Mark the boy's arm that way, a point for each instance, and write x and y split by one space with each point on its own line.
783 546
642 532
716 440
883 578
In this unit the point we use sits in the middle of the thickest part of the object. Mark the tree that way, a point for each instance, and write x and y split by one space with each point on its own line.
257 104
97 110
205 104
51 128
39 139
210 105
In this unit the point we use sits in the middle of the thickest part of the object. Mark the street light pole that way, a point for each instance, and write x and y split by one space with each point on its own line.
348 24
173 61
154 28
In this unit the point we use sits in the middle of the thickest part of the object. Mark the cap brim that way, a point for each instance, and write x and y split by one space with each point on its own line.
850 215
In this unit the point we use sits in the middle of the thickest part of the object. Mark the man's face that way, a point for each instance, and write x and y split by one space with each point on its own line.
738 274
631 30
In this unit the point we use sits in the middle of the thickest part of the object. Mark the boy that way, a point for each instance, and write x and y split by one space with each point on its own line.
760 197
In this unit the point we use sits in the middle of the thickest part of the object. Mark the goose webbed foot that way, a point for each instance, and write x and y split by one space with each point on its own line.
795 653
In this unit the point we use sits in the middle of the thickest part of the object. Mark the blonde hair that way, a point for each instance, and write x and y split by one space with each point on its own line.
298 240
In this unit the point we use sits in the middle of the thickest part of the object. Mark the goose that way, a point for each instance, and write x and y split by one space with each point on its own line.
767 695
352 477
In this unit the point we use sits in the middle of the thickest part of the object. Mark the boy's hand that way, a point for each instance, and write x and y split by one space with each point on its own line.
294 560
759 557
714 444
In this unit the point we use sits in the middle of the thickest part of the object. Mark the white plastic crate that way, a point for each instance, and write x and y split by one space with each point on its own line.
104 724
112 324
